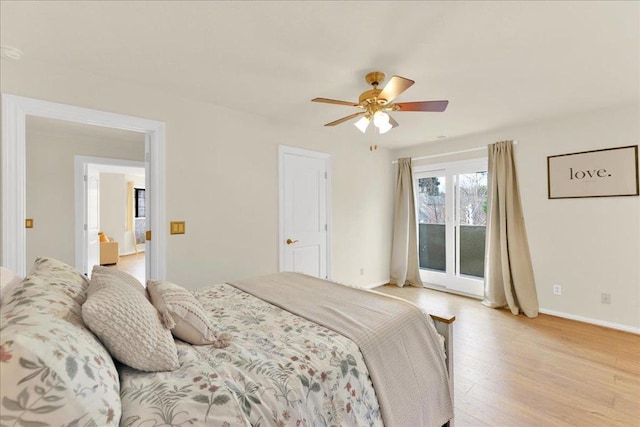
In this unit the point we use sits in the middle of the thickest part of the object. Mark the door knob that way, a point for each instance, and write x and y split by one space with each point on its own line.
289 241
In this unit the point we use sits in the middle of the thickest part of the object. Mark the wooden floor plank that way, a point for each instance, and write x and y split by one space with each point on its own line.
515 371
133 264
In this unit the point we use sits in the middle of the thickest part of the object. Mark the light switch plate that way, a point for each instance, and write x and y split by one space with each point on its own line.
177 227
28 223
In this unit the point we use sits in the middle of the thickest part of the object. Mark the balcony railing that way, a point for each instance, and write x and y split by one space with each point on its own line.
432 245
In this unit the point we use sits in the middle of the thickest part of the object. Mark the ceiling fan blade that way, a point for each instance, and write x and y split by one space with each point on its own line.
392 122
434 106
344 119
334 101
395 87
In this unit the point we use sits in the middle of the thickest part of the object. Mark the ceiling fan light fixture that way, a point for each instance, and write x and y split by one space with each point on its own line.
385 127
362 124
380 118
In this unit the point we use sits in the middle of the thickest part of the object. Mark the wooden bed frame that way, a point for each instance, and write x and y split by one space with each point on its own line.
444 326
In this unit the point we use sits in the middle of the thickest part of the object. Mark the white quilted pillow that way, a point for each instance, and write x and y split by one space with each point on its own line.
128 324
120 276
184 315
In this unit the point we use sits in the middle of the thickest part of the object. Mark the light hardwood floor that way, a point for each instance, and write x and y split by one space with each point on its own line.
548 371
132 264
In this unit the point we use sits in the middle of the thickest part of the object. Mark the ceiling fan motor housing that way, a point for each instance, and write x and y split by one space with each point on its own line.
374 78
369 98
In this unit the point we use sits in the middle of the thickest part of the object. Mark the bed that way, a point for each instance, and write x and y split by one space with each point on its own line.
303 352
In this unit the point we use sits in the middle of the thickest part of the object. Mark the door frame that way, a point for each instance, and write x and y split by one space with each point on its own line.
80 164
282 151
448 280
14 112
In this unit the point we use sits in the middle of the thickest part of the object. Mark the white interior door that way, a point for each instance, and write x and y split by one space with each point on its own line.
92 225
304 226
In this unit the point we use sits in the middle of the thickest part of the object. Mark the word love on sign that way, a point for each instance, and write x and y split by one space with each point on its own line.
595 173
609 172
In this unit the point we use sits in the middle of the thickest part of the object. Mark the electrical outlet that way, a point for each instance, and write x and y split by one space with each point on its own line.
605 298
362 271
557 290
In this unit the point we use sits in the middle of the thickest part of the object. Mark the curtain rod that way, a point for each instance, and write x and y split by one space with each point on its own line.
449 153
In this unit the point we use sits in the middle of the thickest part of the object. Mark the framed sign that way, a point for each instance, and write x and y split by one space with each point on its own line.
609 172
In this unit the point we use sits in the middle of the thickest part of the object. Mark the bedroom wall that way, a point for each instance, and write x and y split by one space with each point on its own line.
50 186
222 178
588 246
113 205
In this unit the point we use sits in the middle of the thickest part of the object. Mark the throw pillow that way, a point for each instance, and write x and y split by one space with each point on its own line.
127 323
184 315
53 370
121 276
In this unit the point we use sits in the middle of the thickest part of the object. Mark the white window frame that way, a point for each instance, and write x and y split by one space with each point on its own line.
450 280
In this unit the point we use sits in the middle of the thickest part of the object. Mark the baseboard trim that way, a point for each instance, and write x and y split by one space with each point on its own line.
131 253
611 325
604 323
373 285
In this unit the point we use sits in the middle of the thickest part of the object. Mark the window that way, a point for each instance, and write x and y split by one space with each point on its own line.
451 200
139 199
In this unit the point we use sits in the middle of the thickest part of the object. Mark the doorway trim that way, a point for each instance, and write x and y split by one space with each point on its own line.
14 112
282 151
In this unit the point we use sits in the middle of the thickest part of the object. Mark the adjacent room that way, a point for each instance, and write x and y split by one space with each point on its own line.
63 159
478 159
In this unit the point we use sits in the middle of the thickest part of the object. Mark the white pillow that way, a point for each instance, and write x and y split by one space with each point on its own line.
121 276
8 281
128 325
184 315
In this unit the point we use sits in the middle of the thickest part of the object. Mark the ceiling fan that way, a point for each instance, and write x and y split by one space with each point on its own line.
376 103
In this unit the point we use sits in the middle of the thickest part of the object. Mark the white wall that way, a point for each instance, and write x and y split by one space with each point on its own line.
113 206
221 174
50 186
590 245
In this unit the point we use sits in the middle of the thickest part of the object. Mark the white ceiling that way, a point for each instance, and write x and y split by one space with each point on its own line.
498 63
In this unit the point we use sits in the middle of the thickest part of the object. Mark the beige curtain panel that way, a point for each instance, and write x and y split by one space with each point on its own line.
404 246
509 279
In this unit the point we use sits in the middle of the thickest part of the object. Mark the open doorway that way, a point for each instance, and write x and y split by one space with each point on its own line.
110 208
15 110
61 210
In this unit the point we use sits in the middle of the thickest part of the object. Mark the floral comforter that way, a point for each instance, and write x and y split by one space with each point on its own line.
280 370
